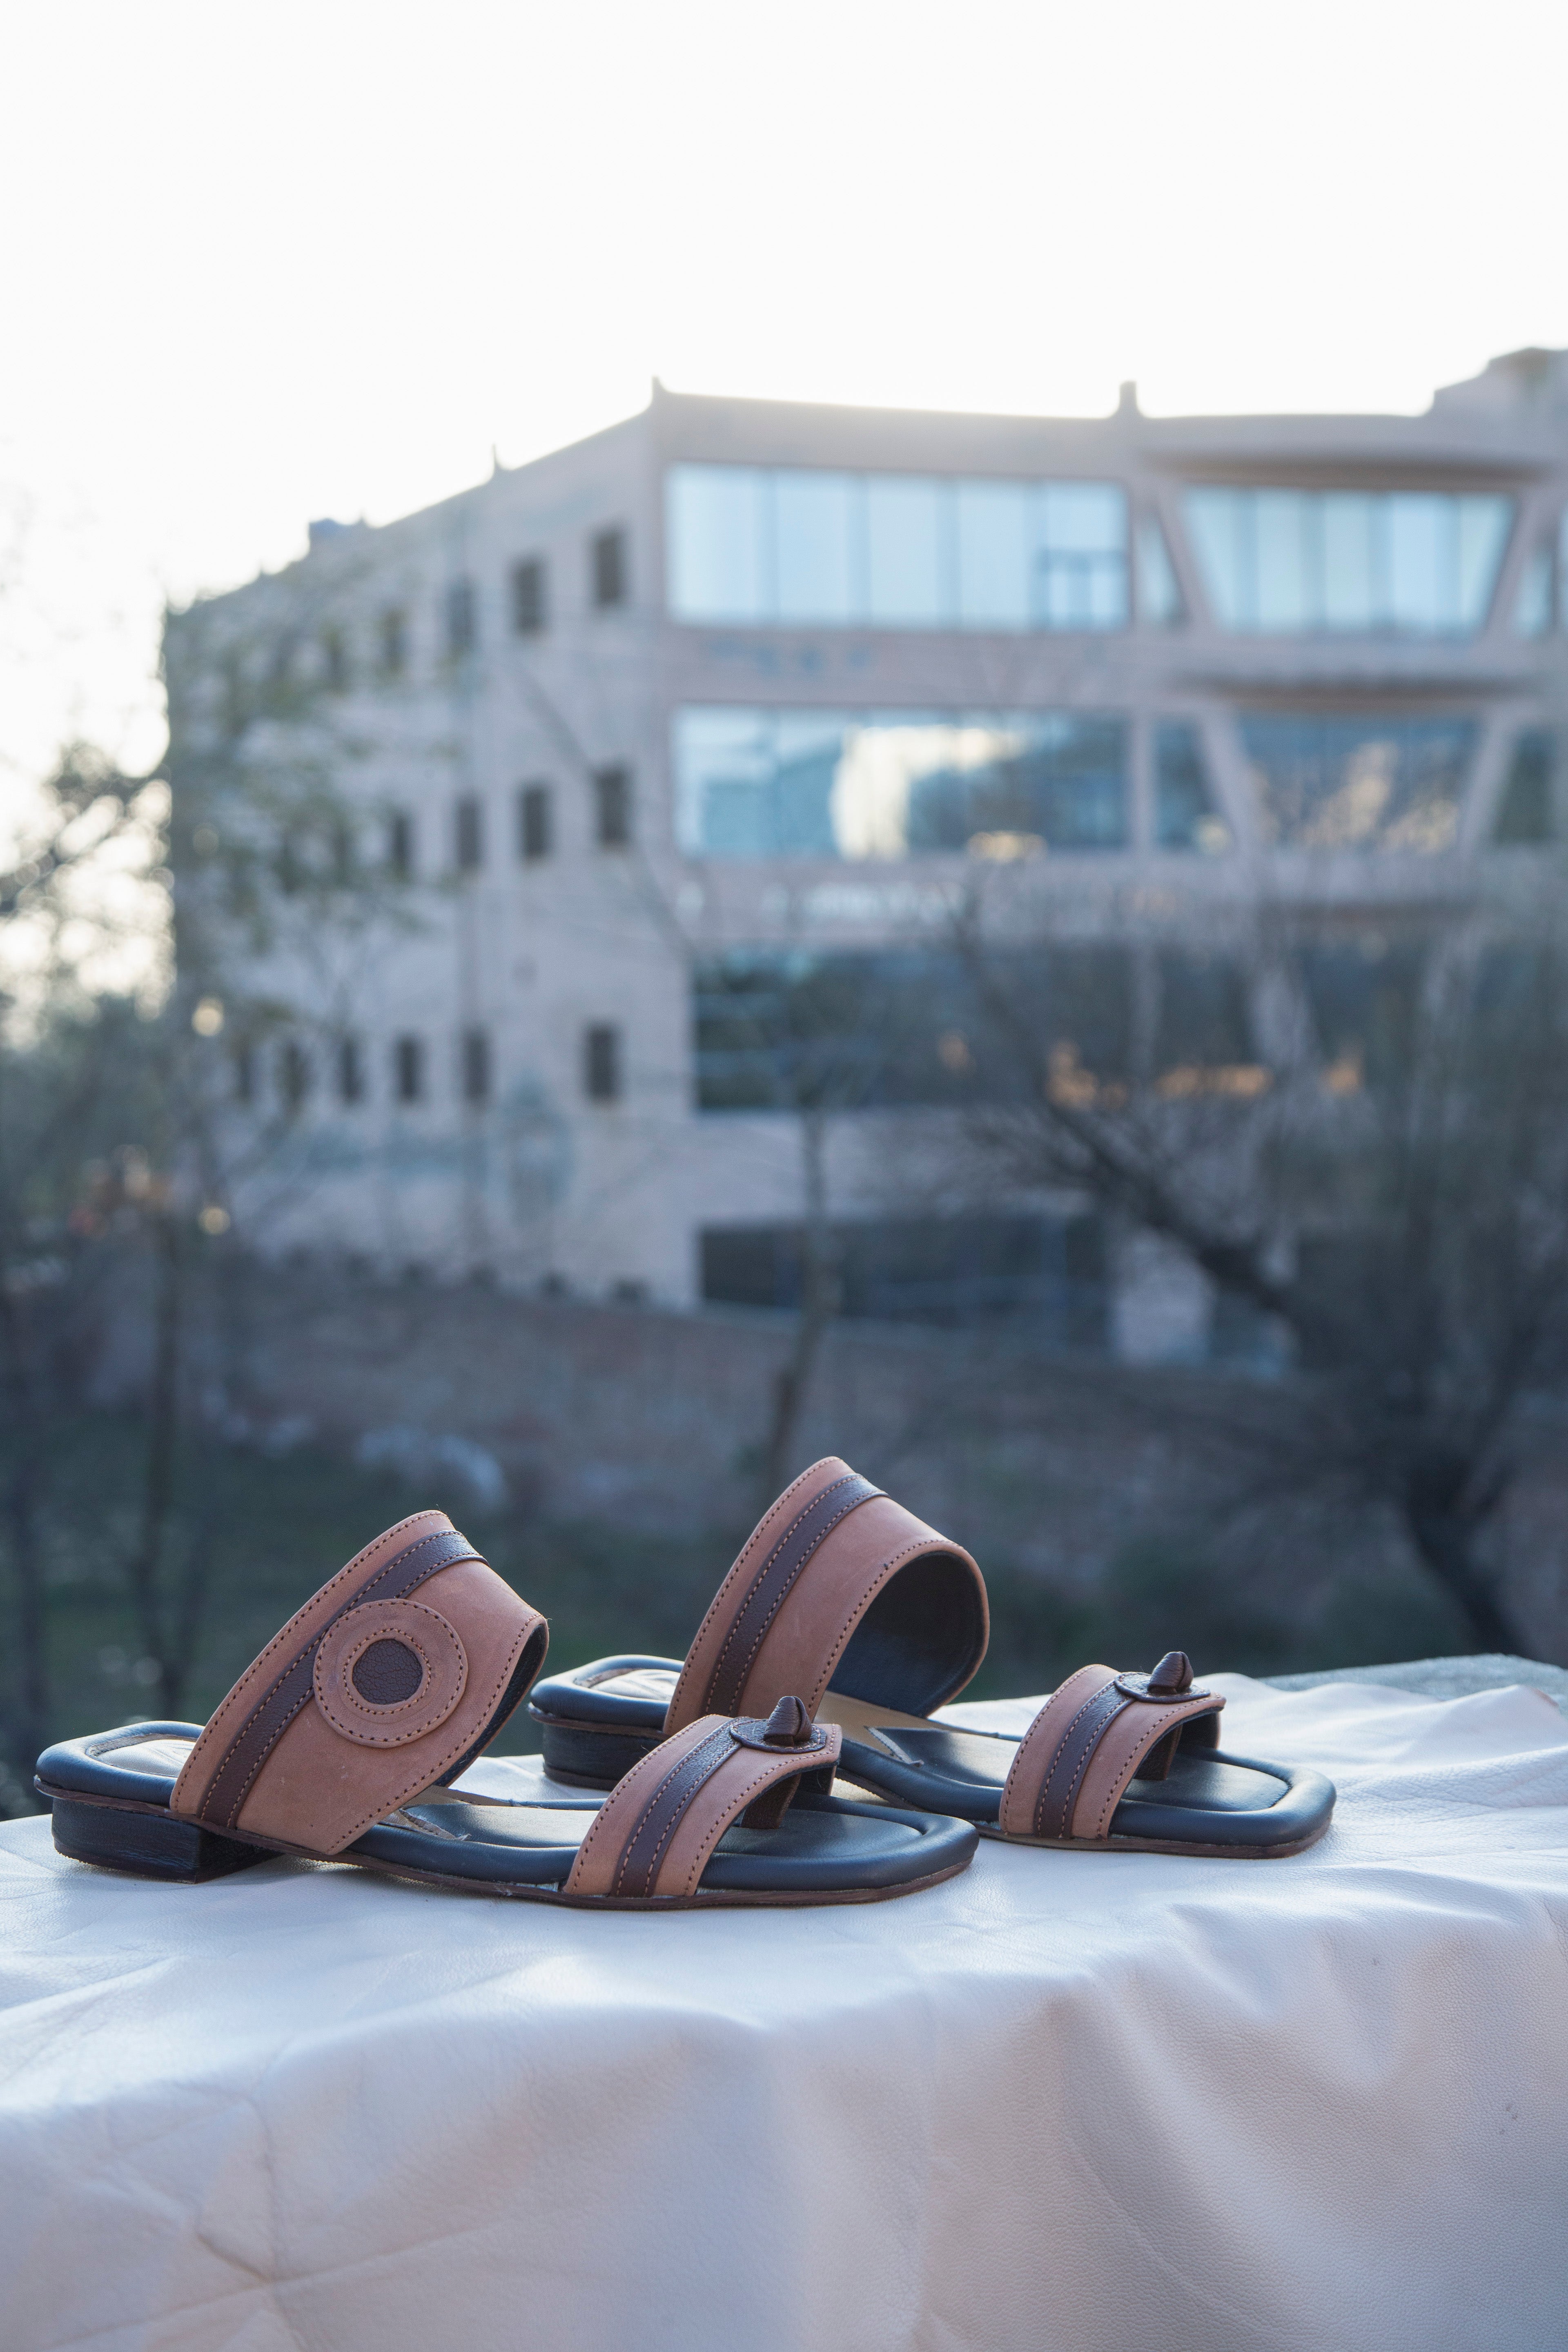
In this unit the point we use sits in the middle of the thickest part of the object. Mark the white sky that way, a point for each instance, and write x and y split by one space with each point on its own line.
266 259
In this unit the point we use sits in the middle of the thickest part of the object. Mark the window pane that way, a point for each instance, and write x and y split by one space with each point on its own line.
1218 521
908 529
1293 560
1532 612
1080 555
1185 813
1359 783
1525 812
753 783
717 551
993 555
1287 585
1352 598
1159 592
1484 524
1421 568
819 524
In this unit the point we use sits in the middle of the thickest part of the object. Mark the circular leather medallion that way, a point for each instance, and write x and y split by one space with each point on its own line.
389 1672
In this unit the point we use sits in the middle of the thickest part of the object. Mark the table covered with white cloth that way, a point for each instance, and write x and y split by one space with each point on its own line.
1065 2103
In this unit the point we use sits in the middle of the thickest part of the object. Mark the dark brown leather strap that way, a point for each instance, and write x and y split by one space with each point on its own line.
659 1826
1059 1788
637 1870
771 1585
227 1790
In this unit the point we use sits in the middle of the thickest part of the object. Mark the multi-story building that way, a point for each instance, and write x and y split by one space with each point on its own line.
671 756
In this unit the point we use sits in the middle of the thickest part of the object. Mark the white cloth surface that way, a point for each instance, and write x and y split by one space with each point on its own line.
1066 2102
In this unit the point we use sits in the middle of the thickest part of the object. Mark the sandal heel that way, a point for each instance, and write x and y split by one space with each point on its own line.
145 1845
592 1758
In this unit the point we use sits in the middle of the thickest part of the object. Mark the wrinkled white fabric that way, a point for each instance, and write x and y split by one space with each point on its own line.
1068 2103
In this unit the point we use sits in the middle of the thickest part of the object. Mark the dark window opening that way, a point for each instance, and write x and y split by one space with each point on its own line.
462 619
342 853
535 826
393 631
1525 814
1204 1025
469 836
400 846
885 1028
1042 1272
1184 813
335 660
607 560
476 1065
408 1069
1364 996
601 1062
244 1074
294 1075
613 807
528 615
351 1071
290 866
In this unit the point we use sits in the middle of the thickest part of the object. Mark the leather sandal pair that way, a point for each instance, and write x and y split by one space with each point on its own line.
847 1598
843 1625
344 1739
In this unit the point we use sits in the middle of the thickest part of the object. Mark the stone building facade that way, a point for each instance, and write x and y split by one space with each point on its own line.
610 816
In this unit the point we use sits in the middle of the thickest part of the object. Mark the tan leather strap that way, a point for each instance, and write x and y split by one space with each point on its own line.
1085 1744
366 1696
836 1572
657 1829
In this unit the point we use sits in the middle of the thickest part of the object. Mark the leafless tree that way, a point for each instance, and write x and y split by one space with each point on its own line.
1395 1206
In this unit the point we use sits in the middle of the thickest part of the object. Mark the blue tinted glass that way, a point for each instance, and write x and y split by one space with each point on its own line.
909 534
1080 555
755 783
993 551
1359 783
718 556
1216 521
1185 813
1484 526
1354 596
1159 592
1289 561
1286 556
818 538
1533 611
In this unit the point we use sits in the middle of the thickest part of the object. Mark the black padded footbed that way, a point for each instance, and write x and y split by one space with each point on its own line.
111 1807
597 1719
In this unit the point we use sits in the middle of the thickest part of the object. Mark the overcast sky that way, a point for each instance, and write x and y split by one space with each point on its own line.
270 261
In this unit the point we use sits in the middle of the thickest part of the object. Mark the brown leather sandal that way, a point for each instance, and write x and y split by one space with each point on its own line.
842 1594
342 1741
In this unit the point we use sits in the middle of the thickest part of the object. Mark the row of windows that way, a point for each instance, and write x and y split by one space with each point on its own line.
528 612
298 1072
533 834
752 782
786 1030
793 544
749 544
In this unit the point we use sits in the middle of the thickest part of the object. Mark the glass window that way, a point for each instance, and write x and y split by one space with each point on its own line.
469 835
1525 812
993 555
817 528
1532 612
1358 783
760 783
721 562
1185 813
894 551
535 823
1159 590
462 619
613 807
608 571
1081 555
889 1027
476 1065
529 598
1288 561
910 563
601 1062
